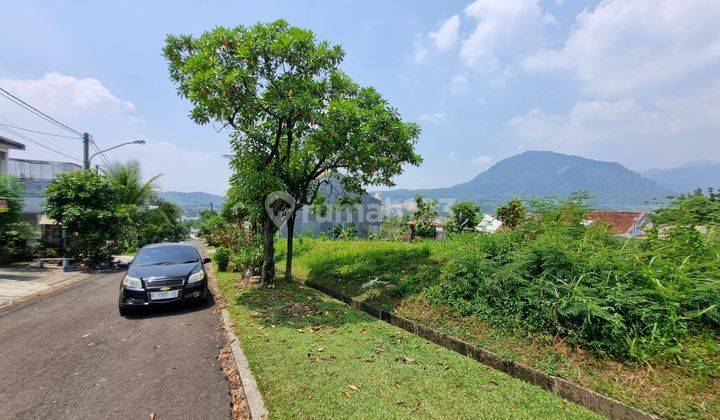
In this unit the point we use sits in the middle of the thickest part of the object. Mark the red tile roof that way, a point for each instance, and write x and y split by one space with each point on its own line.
620 221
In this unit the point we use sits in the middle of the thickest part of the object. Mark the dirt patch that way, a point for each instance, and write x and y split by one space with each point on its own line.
239 404
299 309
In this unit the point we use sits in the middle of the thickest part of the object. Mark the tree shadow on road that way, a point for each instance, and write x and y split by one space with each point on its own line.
171 309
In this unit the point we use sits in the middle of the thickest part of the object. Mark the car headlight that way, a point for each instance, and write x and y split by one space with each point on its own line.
132 282
196 277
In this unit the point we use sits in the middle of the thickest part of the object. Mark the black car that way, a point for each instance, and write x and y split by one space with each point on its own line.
164 273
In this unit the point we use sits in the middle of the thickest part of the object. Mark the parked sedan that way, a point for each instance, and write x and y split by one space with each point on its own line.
164 273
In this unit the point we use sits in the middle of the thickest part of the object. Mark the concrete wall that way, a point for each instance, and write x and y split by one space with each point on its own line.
3 159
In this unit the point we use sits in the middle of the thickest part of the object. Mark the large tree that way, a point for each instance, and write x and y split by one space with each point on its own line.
297 121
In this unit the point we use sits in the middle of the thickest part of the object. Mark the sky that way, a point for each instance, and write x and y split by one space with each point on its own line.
631 81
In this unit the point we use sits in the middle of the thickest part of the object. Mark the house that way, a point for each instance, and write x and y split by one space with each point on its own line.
621 223
488 224
5 146
35 176
365 216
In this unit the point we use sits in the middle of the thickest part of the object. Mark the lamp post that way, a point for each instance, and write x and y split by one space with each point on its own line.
111 148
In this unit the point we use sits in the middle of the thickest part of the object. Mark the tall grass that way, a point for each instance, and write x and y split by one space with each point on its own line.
627 298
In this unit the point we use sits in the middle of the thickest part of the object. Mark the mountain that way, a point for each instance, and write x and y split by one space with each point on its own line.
688 177
193 202
541 174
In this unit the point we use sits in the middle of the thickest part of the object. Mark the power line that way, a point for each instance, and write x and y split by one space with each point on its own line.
41 132
11 131
97 149
9 96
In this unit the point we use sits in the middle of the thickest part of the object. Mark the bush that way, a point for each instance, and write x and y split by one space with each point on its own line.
464 216
511 213
344 232
250 256
222 258
631 299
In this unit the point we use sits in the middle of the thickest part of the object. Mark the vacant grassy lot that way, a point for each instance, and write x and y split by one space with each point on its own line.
314 357
685 385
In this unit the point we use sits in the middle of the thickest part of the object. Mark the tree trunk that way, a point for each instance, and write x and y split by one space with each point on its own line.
267 275
290 235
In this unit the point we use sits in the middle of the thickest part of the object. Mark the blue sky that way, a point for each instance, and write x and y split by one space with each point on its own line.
632 81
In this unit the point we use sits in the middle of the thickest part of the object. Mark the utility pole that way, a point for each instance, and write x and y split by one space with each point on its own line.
86 151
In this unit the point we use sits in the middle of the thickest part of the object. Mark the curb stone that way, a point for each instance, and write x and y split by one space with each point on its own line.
599 403
253 398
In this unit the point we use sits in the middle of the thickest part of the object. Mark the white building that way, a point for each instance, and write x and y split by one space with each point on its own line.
5 146
488 224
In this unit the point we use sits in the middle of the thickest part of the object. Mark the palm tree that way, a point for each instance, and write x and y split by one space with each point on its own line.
131 189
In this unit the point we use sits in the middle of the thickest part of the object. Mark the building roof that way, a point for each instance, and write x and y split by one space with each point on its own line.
620 222
11 143
434 223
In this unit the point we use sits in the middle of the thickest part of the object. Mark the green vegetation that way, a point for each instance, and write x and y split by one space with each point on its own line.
85 203
314 357
222 258
298 122
511 213
117 212
570 299
13 231
463 217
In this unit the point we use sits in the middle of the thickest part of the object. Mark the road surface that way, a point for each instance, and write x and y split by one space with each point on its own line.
69 354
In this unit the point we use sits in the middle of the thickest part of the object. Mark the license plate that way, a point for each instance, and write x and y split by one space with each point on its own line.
164 295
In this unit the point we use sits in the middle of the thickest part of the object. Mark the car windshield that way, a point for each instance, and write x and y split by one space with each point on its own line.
167 255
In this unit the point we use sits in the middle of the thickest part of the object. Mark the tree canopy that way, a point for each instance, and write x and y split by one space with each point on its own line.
297 120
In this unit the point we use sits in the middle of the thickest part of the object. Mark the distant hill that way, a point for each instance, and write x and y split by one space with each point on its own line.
540 174
193 202
688 177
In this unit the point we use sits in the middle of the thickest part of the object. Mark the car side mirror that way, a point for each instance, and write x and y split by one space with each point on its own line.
206 260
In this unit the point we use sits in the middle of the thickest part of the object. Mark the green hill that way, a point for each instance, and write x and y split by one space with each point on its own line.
193 202
686 178
539 174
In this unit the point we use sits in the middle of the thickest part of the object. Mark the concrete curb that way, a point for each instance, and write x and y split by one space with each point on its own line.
601 404
253 398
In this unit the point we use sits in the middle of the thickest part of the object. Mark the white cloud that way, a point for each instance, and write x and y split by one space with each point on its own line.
629 47
419 50
86 104
435 118
505 29
450 157
668 132
183 169
481 161
649 70
447 35
57 93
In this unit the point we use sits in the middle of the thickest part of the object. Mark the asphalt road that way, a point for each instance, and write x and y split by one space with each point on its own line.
69 354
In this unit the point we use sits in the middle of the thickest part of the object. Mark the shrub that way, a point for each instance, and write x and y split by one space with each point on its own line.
222 258
511 213
344 232
464 216
631 299
250 256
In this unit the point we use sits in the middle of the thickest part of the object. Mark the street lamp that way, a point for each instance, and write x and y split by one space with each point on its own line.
114 147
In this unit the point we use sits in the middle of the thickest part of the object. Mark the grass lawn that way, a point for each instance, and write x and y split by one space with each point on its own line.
315 357
688 388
